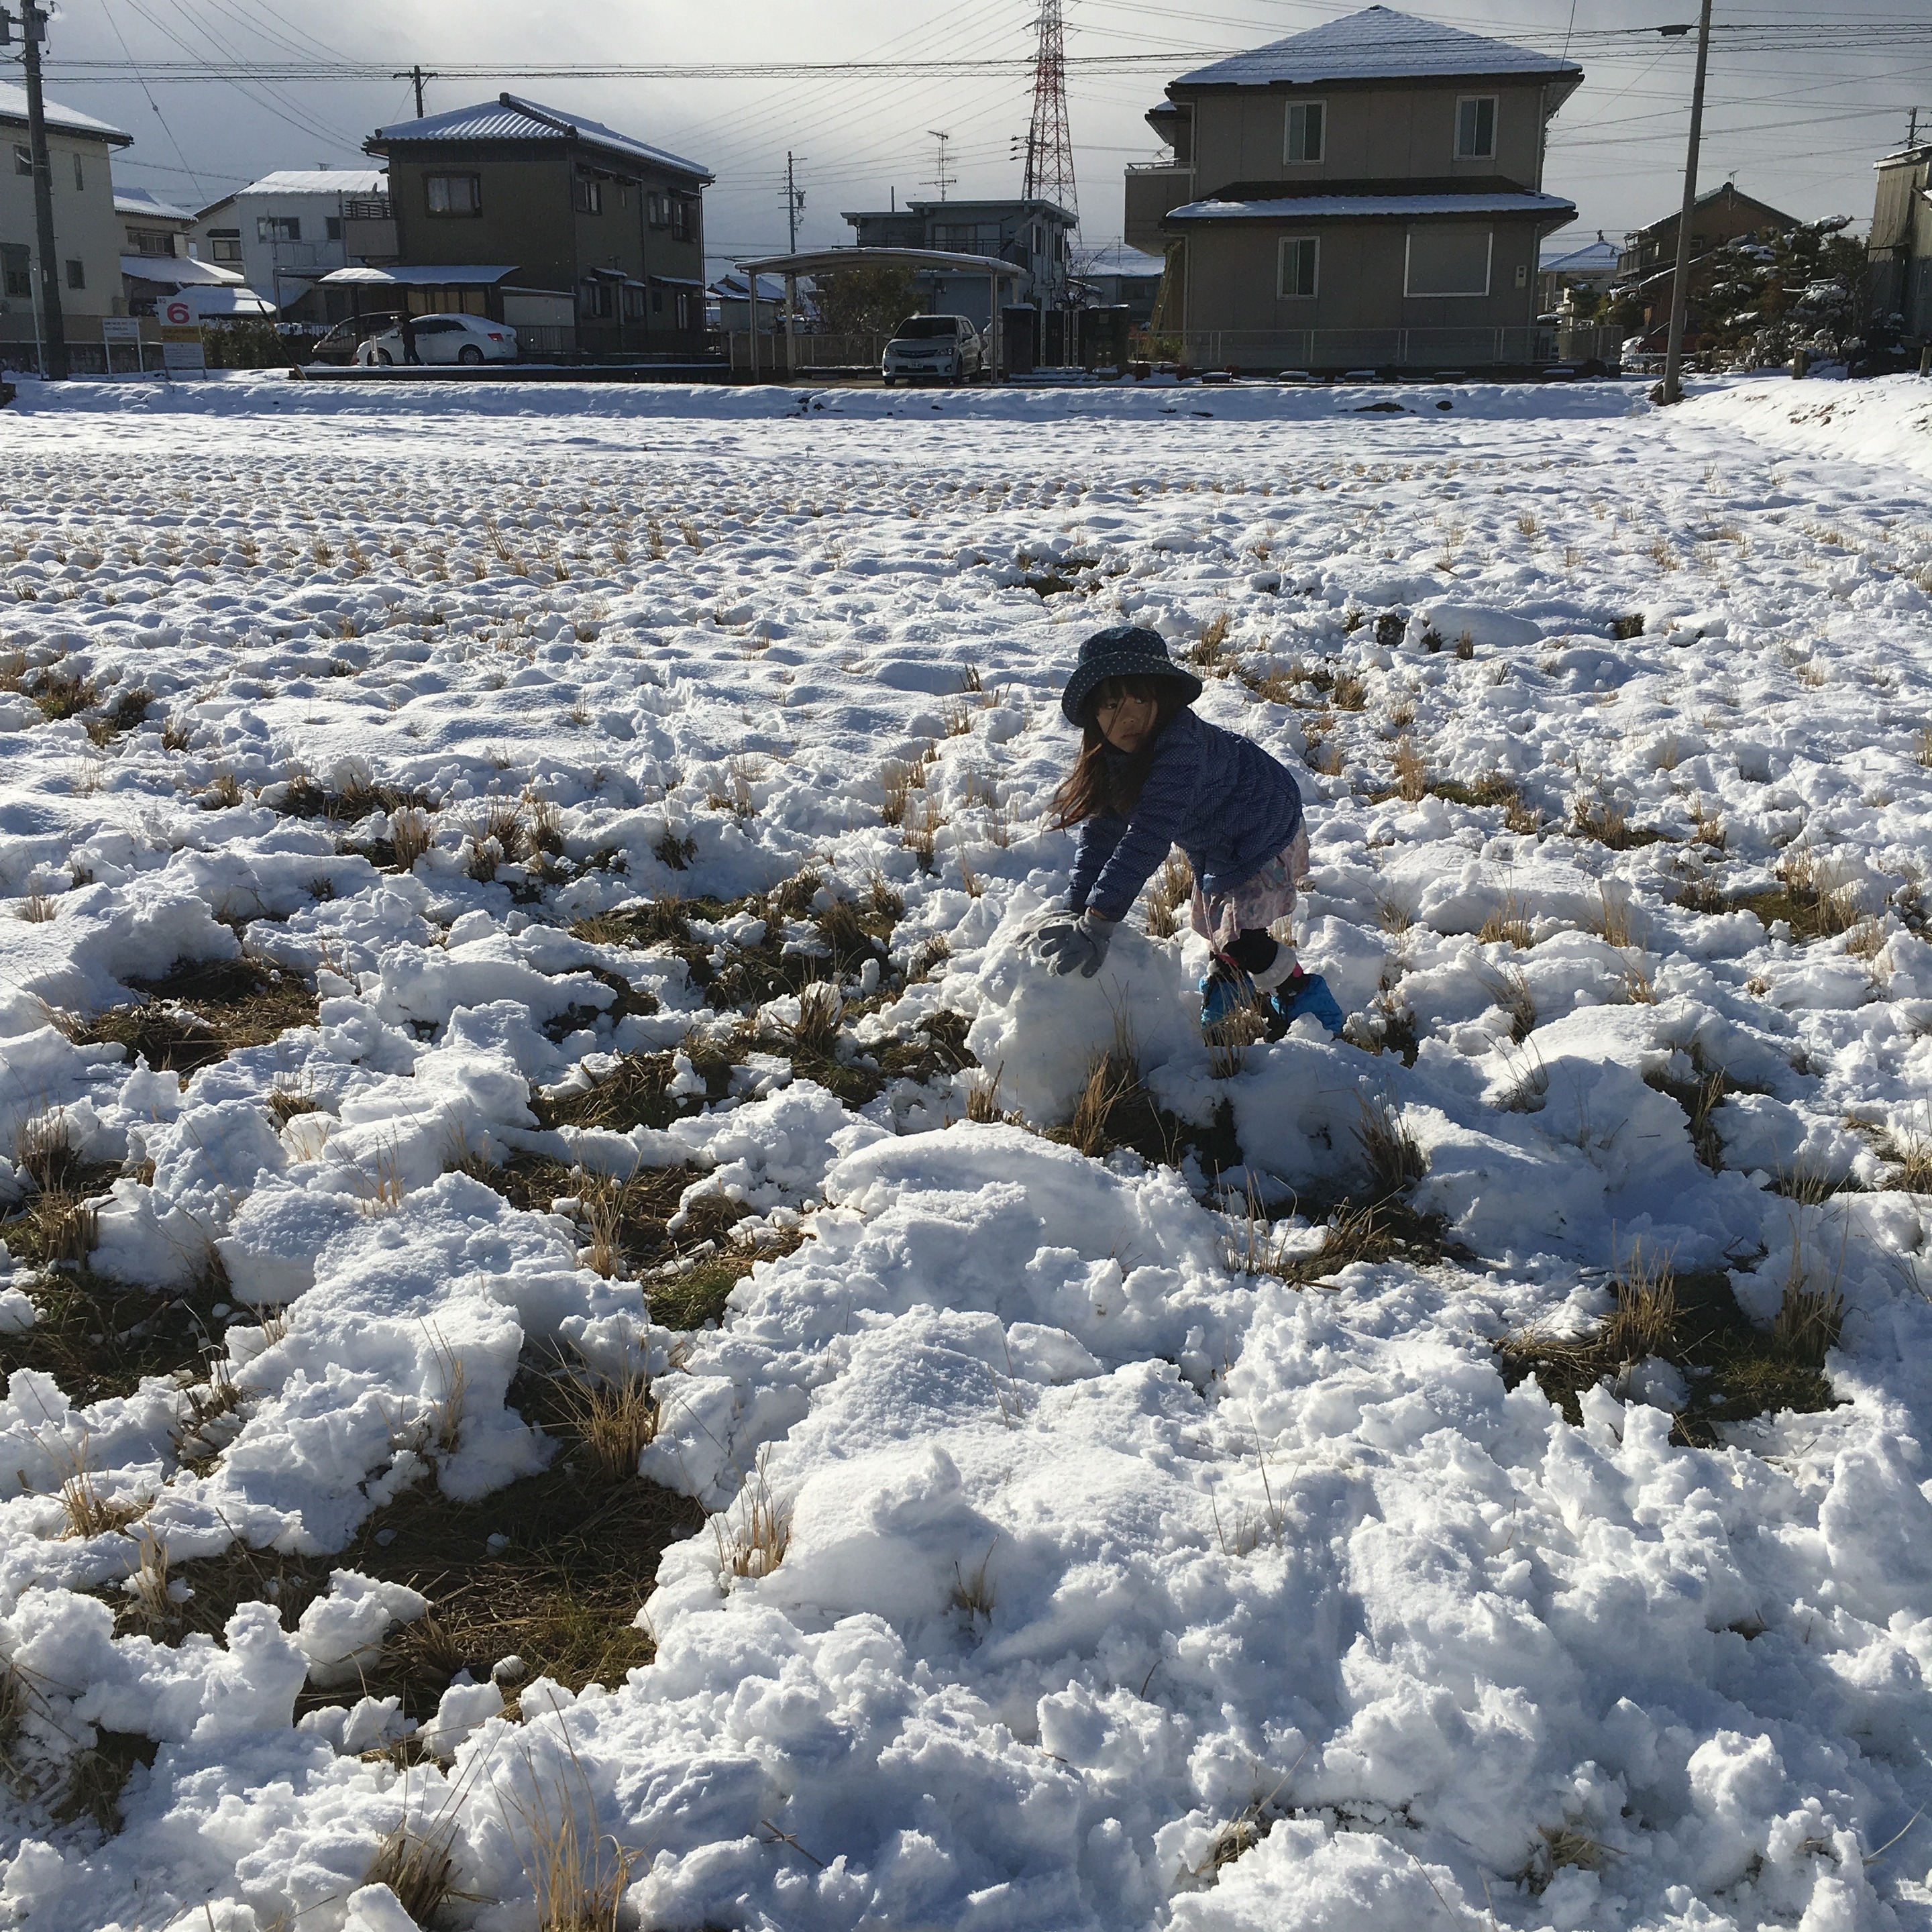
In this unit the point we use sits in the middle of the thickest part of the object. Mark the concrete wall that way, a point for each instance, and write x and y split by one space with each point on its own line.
1373 133
86 228
1233 277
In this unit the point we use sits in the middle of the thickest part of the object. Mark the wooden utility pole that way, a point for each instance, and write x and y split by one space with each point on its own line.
32 22
1680 283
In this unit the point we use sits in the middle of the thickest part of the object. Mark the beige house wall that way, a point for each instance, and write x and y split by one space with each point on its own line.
1151 192
86 228
1372 133
1233 279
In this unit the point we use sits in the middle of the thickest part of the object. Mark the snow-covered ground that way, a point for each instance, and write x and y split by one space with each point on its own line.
1070 1564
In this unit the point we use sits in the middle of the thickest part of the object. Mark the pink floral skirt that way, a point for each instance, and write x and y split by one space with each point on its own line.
1263 900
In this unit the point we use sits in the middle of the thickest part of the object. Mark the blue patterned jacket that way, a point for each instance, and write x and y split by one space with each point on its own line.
1218 795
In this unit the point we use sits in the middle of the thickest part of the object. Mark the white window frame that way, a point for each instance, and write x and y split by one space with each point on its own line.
1282 291
1412 294
1294 161
1488 154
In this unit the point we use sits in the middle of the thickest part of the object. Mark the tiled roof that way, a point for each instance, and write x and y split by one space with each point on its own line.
510 118
1375 44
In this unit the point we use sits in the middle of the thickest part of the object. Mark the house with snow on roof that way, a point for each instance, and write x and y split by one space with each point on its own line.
286 230
87 233
582 237
1369 193
156 266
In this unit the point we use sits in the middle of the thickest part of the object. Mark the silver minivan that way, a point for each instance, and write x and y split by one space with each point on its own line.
944 348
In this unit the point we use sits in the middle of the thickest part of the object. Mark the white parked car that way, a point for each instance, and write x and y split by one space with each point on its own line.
947 348
444 338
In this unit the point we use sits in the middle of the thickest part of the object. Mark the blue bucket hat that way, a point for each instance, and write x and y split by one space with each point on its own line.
1127 650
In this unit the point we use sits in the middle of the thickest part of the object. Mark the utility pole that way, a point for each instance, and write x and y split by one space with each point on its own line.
794 201
1680 283
416 75
32 21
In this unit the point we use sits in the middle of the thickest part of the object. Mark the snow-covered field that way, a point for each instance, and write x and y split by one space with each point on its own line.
1082 1551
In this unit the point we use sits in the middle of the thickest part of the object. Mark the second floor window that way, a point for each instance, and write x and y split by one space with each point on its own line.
1476 127
681 223
589 195
278 228
79 178
150 241
23 159
332 227
76 274
453 194
224 244
1300 257
1307 130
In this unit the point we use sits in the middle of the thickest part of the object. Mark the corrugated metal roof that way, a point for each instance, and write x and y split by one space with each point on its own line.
68 120
510 117
1375 44
320 180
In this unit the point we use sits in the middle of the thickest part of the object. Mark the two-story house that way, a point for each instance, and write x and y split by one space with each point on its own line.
1647 266
1369 192
156 264
285 232
1035 235
501 207
87 232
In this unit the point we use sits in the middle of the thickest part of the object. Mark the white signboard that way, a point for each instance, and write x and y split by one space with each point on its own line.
182 352
120 328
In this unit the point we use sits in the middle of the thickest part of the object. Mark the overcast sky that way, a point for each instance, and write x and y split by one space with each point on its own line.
1800 129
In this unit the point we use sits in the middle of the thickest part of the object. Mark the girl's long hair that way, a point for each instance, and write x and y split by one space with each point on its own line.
1091 788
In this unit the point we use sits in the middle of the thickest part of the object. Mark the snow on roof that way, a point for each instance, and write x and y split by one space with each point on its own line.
1591 258
68 120
180 272
1316 207
511 118
139 201
1117 261
320 180
432 274
1377 43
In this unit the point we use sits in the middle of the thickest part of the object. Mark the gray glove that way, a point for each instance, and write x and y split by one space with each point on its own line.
1076 941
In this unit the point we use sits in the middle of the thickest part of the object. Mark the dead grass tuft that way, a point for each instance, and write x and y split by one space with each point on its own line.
416 1864
1509 922
1172 887
754 1535
1395 1160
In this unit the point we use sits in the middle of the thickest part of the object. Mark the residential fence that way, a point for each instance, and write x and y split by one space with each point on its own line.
1446 349
776 354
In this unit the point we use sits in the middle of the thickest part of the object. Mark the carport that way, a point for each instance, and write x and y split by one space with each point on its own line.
829 261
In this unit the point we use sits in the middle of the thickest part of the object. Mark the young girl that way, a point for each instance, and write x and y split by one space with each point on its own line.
1151 775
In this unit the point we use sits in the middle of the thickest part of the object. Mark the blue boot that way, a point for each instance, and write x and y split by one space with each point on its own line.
1307 993
1225 992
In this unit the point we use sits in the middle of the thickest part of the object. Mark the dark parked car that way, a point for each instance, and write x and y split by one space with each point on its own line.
340 344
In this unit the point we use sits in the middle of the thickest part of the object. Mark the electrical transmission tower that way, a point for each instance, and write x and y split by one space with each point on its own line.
1049 145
